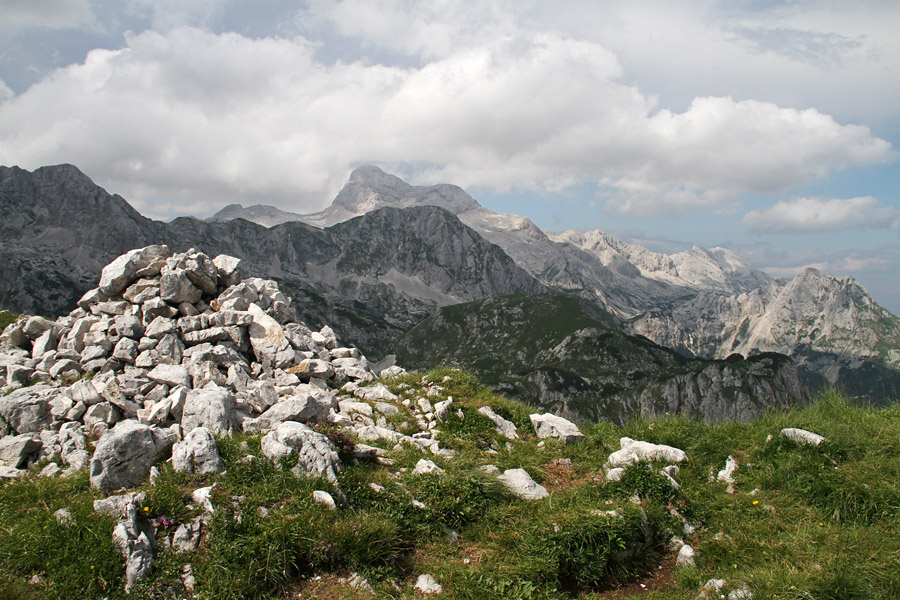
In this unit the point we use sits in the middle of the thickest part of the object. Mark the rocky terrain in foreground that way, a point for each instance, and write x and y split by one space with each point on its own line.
182 434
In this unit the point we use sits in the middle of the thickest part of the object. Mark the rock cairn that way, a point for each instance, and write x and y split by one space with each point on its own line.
173 349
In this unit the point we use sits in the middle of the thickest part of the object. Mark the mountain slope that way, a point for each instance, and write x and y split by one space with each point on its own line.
57 230
372 277
703 302
550 351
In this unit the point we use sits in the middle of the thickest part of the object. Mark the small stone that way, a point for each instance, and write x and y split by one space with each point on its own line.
426 466
686 557
324 498
801 436
427 584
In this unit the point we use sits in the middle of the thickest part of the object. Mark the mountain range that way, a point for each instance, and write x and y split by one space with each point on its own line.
387 255
705 303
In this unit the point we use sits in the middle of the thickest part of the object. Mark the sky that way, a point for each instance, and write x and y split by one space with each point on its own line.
768 127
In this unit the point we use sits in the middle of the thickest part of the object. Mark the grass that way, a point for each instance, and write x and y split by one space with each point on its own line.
7 318
803 523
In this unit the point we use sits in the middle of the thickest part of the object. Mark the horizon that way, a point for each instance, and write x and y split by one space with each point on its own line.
769 128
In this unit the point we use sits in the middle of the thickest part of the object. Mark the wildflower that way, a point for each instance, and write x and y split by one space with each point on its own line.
755 502
821 524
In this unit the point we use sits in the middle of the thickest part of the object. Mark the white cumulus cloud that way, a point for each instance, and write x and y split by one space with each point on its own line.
202 119
815 215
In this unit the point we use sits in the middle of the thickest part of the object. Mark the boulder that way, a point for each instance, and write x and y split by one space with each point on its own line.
116 276
303 408
210 408
84 391
170 375
197 453
26 410
520 483
227 269
802 436
505 428
316 454
266 337
15 451
635 451
176 287
201 271
125 454
35 327
549 425
374 393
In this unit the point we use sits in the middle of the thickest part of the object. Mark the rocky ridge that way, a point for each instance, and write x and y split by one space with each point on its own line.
168 353
369 278
551 351
703 302
375 276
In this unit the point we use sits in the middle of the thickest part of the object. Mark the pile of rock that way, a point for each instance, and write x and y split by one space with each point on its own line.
168 343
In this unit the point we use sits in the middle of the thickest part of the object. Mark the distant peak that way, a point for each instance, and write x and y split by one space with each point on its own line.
64 170
370 174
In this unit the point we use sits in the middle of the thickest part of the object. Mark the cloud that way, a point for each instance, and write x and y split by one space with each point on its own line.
45 14
6 92
427 29
813 47
167 14
815 215
204 119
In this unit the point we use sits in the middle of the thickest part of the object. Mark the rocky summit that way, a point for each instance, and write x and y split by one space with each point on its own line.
182 434
168 344
174 350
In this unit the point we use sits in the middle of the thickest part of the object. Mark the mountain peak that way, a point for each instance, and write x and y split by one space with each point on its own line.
369 188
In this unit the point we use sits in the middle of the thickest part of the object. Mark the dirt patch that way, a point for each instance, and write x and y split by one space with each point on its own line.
325 587
561 477
659 578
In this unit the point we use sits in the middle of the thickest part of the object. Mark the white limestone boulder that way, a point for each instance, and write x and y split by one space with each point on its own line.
198 453
802 436
633 451
266 337
124 455
549 425
506 428
210 408
316 454
132 265
520 483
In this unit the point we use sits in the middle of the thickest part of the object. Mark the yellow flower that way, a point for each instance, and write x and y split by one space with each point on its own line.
146 509
755 502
